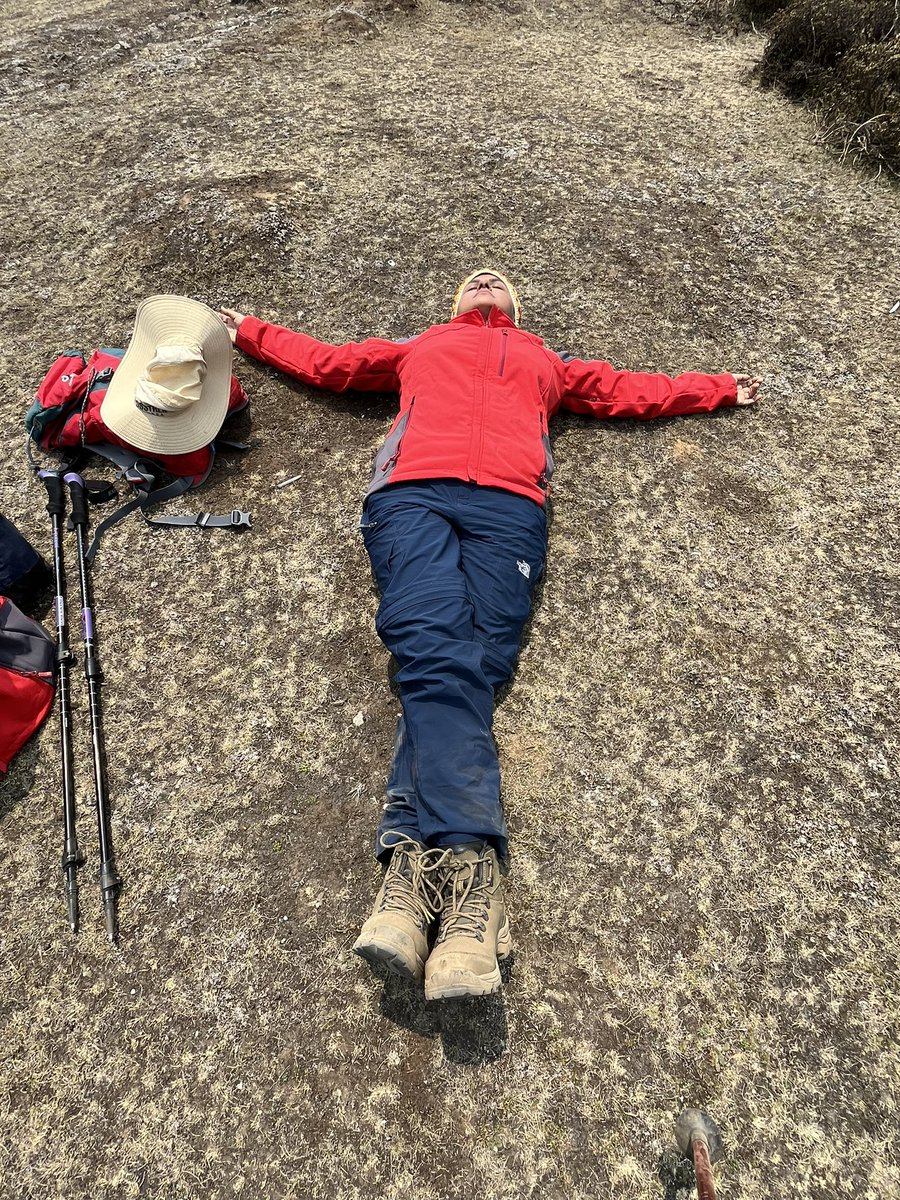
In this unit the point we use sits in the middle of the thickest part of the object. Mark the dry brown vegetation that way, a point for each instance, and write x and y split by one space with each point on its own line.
840 57
700 748
843 58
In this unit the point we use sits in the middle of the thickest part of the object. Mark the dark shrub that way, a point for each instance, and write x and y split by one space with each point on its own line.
842 57
809 37
758 12
860 104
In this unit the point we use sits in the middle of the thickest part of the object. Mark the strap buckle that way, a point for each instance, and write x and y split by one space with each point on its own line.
237 520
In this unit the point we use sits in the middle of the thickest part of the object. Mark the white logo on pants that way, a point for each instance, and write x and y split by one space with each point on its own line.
524 567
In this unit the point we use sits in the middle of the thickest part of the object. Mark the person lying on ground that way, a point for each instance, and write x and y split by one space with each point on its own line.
455 526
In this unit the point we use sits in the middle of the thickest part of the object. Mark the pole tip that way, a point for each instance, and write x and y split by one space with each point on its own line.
695 1125
109 913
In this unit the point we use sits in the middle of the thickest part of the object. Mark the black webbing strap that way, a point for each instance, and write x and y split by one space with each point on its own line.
143 499
204 520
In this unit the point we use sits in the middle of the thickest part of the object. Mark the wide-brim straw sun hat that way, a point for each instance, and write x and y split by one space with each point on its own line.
169 394
488 271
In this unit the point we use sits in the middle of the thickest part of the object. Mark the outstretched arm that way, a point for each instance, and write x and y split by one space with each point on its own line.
598 389
371 365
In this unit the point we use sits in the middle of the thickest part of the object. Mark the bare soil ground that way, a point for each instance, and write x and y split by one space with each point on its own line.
700 748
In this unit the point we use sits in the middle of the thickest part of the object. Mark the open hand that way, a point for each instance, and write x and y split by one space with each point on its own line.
232 320
747 387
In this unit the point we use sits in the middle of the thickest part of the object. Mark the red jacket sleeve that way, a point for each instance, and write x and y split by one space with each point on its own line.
363 366
598 389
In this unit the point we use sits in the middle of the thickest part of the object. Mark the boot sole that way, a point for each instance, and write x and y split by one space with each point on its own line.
462 985
390 959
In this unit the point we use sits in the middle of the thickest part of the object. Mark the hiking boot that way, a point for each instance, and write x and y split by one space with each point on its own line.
473 931
396 934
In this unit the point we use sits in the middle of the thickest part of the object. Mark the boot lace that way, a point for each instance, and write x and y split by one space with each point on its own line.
468 891
413 881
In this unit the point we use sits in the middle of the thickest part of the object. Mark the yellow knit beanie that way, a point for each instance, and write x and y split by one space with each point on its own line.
517 308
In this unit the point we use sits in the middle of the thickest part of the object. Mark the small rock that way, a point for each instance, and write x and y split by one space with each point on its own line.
349 20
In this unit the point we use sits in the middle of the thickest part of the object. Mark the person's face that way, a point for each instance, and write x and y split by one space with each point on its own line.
483 292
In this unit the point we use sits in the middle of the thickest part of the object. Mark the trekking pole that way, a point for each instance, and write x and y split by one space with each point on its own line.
72 858
109 880
699 1140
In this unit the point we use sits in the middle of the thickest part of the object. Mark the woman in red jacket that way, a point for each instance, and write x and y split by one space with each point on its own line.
455 526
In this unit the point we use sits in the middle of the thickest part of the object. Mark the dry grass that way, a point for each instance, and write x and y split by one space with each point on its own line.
839 57
700 748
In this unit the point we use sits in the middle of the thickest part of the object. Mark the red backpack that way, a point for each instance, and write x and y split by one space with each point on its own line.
27 671
65 416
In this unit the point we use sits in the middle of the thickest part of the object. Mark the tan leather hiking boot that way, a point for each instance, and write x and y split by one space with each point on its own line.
396 934
473 932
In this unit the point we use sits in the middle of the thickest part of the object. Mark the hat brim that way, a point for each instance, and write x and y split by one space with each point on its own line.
171 320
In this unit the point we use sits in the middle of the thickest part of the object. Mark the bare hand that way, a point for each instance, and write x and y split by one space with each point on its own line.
747 387
232 319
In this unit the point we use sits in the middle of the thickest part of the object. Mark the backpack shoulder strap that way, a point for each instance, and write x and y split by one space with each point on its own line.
143 499
141 477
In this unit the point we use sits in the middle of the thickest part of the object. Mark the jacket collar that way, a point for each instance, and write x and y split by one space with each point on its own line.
496 318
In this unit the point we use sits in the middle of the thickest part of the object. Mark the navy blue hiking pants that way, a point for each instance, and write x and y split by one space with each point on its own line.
456 565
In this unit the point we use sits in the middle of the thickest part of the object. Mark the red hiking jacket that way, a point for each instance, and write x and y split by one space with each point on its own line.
476 395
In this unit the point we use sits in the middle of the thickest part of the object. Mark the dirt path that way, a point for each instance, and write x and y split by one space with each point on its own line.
700 748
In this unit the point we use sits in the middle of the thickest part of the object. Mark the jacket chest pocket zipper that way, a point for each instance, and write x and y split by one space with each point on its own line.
503 344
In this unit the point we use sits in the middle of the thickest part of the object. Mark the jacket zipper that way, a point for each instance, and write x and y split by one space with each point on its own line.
43 676
503 346
484 404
